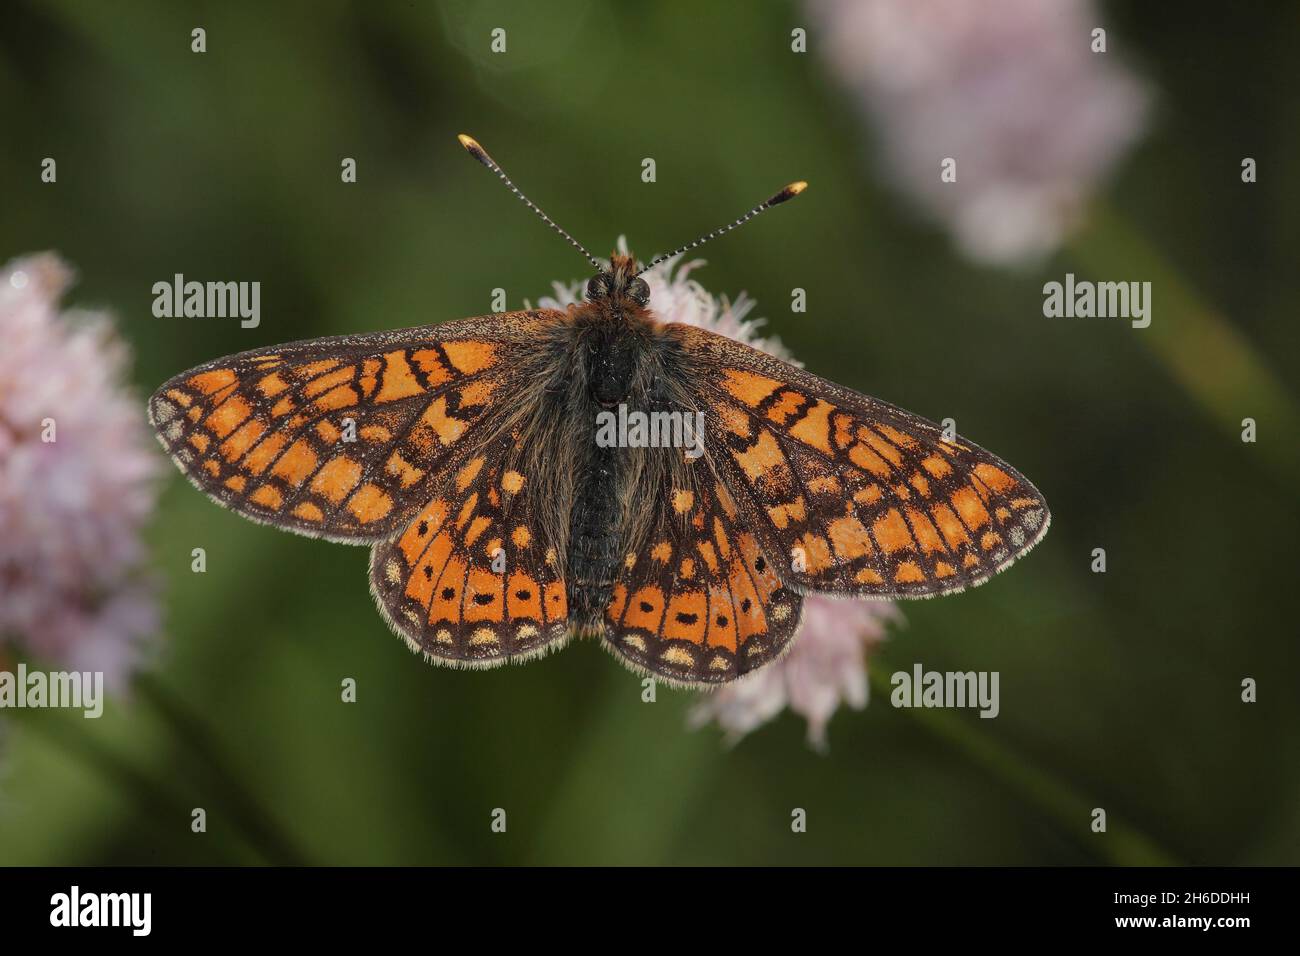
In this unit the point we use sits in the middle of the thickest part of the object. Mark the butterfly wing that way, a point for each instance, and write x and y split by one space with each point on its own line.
698 602
849 494
473 580
402 440
342 437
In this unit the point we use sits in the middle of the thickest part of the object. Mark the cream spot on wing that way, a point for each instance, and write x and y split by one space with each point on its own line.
678 655
163 411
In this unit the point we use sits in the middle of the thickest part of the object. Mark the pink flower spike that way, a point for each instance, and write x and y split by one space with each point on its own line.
78 478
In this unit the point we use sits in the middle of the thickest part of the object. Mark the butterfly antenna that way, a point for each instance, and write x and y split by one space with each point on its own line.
479 153
789 192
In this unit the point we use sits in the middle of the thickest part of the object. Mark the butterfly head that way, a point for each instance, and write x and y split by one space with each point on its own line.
620 280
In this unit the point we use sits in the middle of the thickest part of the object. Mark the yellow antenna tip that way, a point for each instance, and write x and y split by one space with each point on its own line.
475 150
789 192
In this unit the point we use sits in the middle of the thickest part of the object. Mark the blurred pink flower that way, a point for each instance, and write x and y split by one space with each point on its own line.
1010 89
825 664
71 509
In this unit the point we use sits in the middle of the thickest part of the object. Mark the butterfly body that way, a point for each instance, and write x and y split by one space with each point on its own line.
616 354
470 458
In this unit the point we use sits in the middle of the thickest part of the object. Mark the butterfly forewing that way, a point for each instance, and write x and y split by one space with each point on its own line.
850 494
339 437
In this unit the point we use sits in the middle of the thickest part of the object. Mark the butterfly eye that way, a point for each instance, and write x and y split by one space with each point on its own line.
598 286
639 291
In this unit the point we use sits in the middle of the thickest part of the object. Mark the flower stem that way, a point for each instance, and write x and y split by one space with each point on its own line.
1120 844
152 795
256 823
1198 346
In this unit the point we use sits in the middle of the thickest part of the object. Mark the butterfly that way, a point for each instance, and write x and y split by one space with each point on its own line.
466 456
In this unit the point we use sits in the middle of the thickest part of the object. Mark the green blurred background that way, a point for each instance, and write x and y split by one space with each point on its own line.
1119 690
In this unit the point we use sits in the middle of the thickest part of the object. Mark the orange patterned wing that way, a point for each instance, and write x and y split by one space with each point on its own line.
341 437
699 602
854 495
472 580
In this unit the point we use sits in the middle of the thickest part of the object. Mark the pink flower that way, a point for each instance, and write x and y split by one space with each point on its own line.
77 481
1010 89
825 664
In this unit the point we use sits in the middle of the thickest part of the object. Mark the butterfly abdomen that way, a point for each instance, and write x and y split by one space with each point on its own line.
594 537
607 371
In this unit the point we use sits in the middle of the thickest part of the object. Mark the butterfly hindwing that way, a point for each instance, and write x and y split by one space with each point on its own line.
697 602
853 495
472 580
340 437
